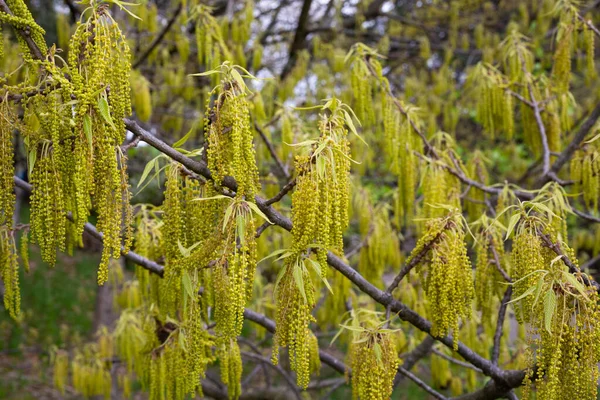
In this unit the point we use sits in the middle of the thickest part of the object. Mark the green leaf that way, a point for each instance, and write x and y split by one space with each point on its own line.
576 284
549 308
31 158
121 6
317 267
538 289
182 342
216 197
184 139
240 223
87 129
187 284
527 293
208 73
184 252
147 170
593 139
304 143
512 223
279 276
105 111
227 216
299 280
238 78
352 127
274 254
377 351
255 208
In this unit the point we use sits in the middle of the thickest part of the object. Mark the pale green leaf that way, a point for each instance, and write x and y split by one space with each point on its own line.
512 223
549 308
257 210
147 170
187 284
105 111
31 158
185 138
527 293
299 280
238 78
87 129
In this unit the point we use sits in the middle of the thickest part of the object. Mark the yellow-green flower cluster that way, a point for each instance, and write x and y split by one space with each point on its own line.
9 267
527 257
381 249
295 297
374 365
446 275
231 368
21 18
494 102
585 172
229 136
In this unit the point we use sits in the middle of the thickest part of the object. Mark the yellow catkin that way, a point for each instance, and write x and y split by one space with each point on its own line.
446 274
374 365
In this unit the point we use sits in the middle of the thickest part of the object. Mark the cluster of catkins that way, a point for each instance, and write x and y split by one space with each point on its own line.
72 129
320 215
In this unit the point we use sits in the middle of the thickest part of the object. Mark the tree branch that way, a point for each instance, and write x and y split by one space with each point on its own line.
500 324
157 40
421 384
454 360
25 33
282 168
93 232
583 131
299 38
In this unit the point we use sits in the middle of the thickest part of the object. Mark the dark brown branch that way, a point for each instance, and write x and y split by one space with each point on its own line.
453 360
413 262
93 232
573 145
282 168
264 361
421 384
284 190
299 38
500 325
589 24
157 40
25 33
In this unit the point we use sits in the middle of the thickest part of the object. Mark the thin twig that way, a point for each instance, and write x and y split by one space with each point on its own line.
157 40
496 261
574 269
24 32
413 261
500 325
284 190
93 232
453 360
282 168
288 379
589 24
421 384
